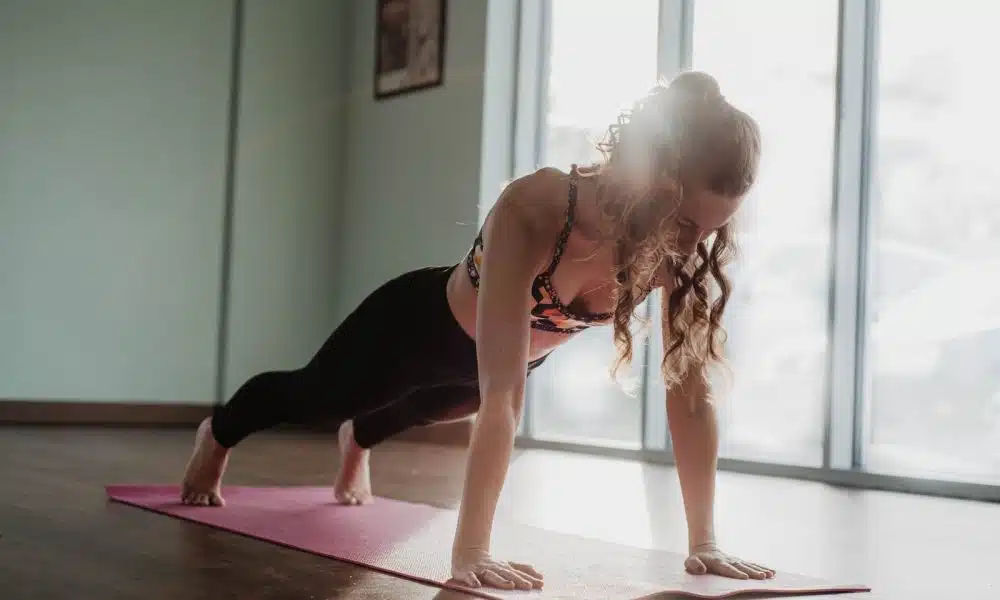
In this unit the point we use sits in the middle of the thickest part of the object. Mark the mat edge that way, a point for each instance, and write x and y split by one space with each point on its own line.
834 589
413 578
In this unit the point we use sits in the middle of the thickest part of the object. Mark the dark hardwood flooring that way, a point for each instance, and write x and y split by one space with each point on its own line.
62 540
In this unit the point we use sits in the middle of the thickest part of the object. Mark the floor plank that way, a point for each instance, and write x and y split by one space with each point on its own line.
61 539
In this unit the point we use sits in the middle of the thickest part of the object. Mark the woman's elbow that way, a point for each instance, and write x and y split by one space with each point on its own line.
505 403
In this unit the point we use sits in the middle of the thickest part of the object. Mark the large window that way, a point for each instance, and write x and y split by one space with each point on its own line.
864 326
600 59
934 308
779 316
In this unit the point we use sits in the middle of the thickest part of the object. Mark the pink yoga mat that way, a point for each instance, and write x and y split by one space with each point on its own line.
414 540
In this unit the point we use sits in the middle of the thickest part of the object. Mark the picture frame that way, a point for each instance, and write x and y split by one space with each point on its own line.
409 46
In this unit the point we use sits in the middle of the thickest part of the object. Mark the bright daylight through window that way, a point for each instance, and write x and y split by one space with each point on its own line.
779 314
934 313
925 401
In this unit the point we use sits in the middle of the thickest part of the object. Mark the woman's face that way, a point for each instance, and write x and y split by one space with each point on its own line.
701 213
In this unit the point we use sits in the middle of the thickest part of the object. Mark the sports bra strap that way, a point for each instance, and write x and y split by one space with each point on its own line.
567 226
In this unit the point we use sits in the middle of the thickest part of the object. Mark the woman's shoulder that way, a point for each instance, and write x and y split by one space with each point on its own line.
537 199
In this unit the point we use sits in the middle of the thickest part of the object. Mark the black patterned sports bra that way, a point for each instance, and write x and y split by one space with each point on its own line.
548 313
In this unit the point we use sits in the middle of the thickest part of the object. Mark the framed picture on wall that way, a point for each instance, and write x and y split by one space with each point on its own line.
409 46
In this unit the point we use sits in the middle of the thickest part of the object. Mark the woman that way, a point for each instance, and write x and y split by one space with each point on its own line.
558 254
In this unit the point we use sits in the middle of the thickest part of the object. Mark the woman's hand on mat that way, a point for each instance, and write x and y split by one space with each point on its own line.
476 568
708 559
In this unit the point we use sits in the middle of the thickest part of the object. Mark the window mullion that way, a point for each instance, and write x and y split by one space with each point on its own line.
529 135
862 404
532 81
673 55
848 256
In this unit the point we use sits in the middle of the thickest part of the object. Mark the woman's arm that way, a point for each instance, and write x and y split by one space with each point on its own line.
693 425
694 432
515 251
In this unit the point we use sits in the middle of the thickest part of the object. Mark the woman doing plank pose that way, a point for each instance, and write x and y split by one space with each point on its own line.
558 253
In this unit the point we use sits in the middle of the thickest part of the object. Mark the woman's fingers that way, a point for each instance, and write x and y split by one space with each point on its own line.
750 570
722 567
502 575
769 572
519 580
491 577
471 580
726 566
528 574
524 581
527 569
753 569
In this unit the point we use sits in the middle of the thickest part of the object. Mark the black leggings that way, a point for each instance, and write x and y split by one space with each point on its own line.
398 361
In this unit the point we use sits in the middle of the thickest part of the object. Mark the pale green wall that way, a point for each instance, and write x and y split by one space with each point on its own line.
113 125
412 178
113 121
112 161
289 179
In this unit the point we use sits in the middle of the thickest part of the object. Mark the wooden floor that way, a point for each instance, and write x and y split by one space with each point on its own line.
61 540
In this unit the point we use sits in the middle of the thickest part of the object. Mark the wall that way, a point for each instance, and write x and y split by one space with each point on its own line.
413 179
112 160
113 132
113 171
289 178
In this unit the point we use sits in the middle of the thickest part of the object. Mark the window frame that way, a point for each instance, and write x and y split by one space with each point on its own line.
847 397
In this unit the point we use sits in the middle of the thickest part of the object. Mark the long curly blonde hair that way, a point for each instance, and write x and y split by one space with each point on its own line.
682 135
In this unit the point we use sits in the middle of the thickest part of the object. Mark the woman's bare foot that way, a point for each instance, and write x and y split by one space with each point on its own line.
353 485
203 475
